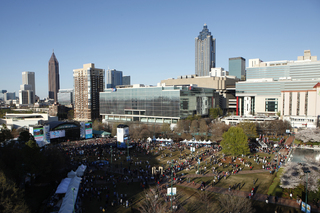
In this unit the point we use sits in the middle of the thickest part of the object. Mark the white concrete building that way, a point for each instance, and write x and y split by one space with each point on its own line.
301 107
14 121
261 93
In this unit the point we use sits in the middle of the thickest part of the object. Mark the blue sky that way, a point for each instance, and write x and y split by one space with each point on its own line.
148 40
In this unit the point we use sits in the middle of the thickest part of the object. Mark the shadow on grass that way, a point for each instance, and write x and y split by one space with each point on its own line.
262 207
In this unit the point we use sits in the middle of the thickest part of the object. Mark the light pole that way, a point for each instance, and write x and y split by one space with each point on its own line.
171 181
306 189
73 198
111 156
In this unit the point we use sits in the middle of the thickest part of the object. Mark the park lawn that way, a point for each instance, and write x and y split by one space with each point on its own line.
263 181
190 201
275 189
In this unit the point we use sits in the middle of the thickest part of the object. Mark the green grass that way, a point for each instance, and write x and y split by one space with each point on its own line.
263 181
275 188
190 200
297 141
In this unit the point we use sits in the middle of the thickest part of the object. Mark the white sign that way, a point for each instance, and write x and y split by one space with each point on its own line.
122 133
192 149
174 191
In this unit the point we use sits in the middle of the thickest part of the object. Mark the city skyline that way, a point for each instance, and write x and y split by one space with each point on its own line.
148 49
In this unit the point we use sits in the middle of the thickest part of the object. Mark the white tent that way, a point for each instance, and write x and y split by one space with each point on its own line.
63 186
72 174
149 139
42 143
69 199
81 169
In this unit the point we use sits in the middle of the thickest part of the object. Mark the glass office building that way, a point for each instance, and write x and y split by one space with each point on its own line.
156 104
237 67
205 52
114 78
65 96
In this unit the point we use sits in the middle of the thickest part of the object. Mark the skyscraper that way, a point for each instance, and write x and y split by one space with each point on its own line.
237 67
29 79
205 52
114 78
126 80
65 96
53 77
26 94
88 82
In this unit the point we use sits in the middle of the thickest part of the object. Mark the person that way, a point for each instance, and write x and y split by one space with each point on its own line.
290 195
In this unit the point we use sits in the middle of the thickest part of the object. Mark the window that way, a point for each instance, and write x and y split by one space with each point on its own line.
271 104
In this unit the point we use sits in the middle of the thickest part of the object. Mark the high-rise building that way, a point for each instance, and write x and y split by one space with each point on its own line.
126 80
53 77
114 78
88 82
237 67
29 79
26 95
205 52
65 96
9 96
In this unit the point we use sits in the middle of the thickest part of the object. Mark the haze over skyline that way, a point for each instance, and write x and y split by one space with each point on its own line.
148 40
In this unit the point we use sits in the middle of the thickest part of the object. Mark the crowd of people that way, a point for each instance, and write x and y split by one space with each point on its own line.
101 179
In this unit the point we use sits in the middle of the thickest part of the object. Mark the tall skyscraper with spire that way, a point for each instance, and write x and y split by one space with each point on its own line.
205 52
53 77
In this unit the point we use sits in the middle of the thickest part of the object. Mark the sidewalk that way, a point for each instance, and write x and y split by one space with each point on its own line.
240 172
259 197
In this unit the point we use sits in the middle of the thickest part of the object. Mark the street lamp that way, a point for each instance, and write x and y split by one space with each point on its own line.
111 156
171 181
306 172
73 198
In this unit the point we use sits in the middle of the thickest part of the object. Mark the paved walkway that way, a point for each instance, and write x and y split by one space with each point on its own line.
259 197
212 175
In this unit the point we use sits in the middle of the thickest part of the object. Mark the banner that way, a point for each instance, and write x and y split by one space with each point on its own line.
174 191
38 134
88 128
46 133
82 130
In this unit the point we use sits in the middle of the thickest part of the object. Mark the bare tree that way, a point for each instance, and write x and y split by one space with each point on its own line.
152 202
217 129
231 203
203 127
205 201
194 127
